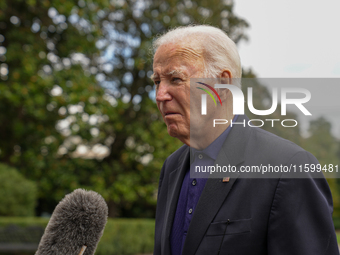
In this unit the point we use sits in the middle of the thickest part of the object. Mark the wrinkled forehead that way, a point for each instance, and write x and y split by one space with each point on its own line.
174 55
186 49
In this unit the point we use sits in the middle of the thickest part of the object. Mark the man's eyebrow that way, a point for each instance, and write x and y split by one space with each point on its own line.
153 76
174 72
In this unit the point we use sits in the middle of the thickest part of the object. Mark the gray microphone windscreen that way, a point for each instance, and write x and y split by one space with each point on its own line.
78 220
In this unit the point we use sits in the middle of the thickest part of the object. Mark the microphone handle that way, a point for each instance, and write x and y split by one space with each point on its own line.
82 250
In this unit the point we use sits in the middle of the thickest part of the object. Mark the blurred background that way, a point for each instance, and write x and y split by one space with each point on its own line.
77 110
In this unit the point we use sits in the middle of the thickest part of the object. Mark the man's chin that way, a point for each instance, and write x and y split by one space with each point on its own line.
182 136
174 131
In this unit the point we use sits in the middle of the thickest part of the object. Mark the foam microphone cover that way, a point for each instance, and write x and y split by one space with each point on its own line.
79 219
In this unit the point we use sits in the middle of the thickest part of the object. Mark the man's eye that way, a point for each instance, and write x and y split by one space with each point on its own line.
176 79
157 82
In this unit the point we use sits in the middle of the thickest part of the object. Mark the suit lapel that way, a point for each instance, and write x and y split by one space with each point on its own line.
216 191
175 184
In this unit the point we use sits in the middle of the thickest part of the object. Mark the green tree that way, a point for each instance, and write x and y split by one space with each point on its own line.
18 195
324 146
76 100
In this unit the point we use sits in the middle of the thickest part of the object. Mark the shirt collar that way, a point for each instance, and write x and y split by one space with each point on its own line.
213 149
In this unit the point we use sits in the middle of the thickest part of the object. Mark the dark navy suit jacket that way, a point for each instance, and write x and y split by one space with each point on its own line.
250 216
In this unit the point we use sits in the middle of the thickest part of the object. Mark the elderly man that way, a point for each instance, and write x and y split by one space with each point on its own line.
233 215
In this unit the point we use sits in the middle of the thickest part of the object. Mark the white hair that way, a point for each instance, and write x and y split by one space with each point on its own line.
219 51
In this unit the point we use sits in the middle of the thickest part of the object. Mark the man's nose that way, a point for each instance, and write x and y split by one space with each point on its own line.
163 92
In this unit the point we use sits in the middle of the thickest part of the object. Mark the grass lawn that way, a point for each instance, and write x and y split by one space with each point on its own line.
338 236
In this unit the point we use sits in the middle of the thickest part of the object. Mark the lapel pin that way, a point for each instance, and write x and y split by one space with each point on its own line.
226 179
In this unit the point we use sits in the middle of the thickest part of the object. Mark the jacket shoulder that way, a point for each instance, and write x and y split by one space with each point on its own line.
271 139
266 145
176 157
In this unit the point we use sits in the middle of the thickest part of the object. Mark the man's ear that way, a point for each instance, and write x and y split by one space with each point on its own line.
225 78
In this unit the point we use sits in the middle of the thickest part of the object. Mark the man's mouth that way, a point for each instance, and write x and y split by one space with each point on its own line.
170 113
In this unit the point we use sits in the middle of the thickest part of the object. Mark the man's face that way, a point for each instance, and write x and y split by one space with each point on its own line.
173 67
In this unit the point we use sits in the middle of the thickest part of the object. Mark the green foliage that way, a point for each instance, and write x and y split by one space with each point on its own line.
325 147
18 195
23 221
133 236
336 221
321 142
121 236
75 82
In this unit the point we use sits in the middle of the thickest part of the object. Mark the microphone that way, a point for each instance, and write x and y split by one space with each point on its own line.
76 225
